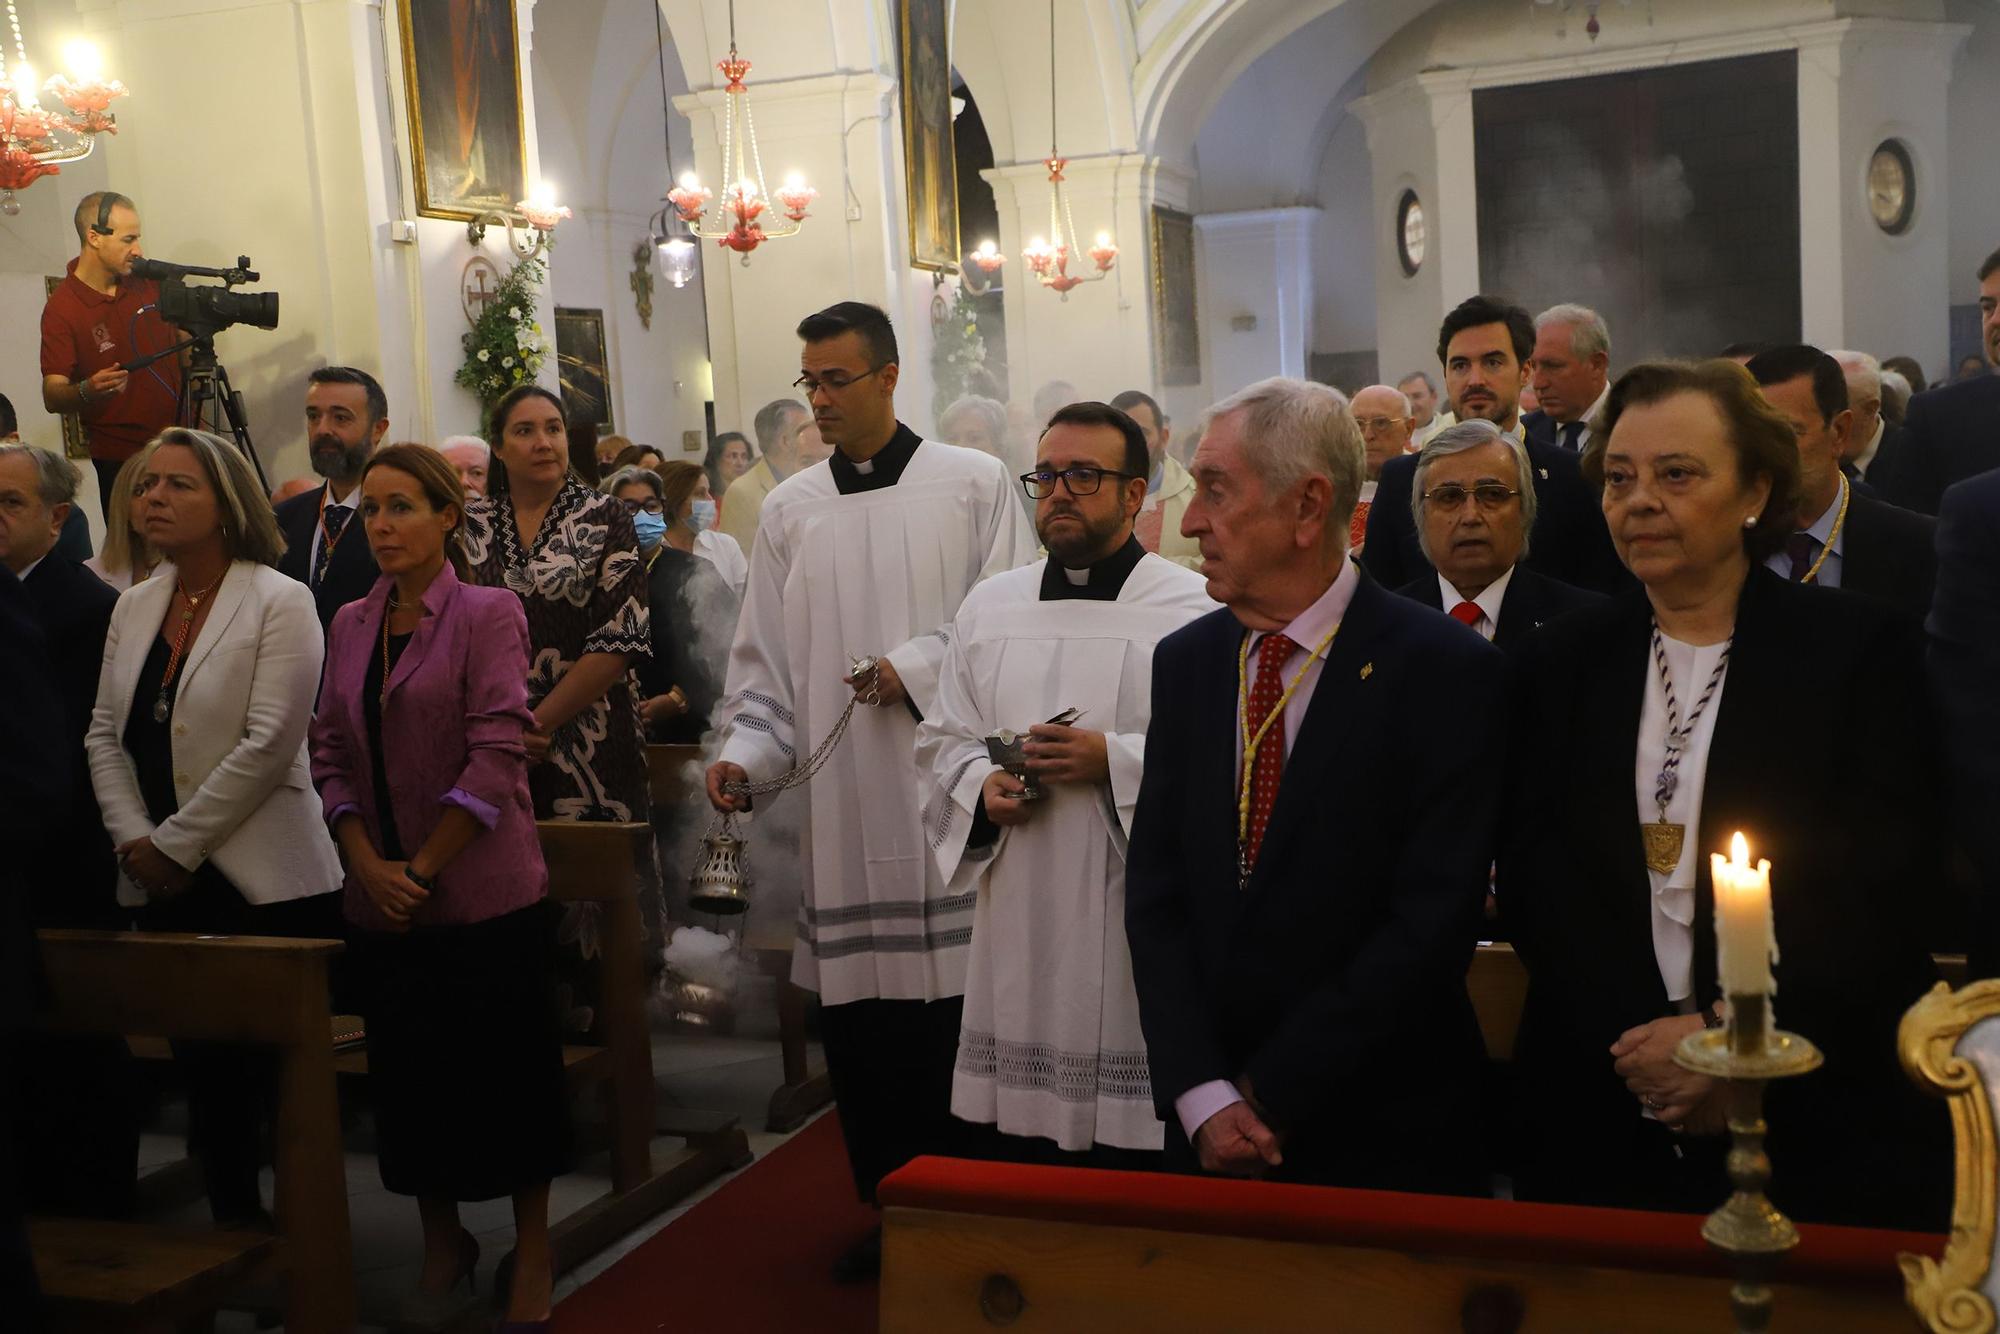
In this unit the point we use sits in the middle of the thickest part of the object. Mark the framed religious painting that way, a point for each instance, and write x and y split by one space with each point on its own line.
462 79
930 170
1176 336
582 367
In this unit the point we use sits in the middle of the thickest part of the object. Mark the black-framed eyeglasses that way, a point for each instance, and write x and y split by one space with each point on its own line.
1080 481
650 504
833 382
1490 495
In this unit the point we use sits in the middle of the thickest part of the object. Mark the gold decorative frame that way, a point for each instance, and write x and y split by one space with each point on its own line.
930 181
413 102
1176 317
1945 1294
76 445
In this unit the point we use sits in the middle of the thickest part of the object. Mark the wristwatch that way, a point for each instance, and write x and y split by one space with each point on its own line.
423 882
83 393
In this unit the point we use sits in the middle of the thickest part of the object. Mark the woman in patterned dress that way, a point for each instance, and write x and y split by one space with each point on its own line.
570 554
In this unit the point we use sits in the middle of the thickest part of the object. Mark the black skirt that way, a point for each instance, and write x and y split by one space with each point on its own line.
465 1056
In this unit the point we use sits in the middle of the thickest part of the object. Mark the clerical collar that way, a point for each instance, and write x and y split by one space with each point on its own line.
1103 581
885 469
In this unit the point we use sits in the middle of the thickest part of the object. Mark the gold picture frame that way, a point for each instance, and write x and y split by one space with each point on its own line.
76 445
473 48
930 163
1176 320
1945 1294
583 366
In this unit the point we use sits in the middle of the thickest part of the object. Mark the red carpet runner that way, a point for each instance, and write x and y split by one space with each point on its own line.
755 1256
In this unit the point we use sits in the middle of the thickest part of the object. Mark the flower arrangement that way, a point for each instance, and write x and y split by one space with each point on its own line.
504 347
958 349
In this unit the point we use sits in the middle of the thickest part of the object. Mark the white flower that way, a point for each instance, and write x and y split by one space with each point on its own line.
484 355
507 361
513 312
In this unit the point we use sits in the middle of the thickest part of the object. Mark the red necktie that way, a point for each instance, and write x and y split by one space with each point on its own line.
1467 612
1265 693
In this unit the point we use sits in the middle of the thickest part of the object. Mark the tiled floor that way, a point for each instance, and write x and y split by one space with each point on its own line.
735 1075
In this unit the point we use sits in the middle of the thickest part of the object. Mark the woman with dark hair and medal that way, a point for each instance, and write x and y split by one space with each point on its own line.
1718 698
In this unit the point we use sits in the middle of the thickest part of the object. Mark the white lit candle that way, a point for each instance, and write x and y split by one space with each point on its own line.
1744 942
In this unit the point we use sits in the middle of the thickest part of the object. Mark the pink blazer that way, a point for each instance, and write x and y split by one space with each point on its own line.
451 733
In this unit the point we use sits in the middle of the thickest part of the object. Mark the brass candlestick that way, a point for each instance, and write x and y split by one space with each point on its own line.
1747 1053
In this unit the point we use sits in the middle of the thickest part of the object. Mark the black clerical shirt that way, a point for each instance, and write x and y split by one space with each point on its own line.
885 469
1106 578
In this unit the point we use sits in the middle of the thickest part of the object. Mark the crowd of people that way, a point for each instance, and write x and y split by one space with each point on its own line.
1179 781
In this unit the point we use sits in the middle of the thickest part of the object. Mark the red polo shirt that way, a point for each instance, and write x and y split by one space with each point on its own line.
84 331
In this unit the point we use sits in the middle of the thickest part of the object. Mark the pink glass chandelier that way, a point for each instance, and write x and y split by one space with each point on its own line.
37 138
744 217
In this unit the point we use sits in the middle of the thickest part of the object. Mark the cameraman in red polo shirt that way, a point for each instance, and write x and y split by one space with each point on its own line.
97 322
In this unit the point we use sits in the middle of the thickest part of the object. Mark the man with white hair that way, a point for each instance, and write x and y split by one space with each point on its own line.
1300 930
1873 440
1475 514
1386 418
1423 395
470 455
1571 375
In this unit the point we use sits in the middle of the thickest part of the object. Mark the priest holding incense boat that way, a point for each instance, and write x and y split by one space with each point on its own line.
1715 698
1051 1062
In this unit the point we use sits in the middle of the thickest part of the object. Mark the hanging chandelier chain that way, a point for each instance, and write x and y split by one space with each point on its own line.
1052 78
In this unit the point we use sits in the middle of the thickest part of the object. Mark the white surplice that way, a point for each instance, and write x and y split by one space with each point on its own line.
834 577
1050 1044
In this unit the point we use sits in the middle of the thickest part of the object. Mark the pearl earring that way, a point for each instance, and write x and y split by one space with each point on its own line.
1750 522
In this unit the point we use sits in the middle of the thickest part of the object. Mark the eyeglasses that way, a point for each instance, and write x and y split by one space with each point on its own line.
650 505
1375 425
833 382
1490 495
1080 481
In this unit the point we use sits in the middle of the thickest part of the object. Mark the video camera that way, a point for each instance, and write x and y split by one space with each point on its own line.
202 312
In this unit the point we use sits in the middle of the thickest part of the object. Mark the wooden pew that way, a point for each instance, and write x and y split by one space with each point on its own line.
971 1246
805 1089
231 989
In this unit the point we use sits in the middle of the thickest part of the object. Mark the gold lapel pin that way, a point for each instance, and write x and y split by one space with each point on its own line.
1367 670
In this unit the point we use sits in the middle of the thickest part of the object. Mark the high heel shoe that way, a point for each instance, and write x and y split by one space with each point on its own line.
422 1310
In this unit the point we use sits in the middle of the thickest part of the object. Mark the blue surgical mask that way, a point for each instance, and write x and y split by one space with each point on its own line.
650 527
701 515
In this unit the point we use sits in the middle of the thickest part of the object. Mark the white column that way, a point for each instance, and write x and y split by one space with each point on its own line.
1255 294
1860 82
1420 140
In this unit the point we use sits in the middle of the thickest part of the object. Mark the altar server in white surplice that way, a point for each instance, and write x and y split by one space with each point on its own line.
869 553
1051 1062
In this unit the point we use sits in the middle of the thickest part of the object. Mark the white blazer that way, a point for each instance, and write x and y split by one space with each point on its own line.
244 697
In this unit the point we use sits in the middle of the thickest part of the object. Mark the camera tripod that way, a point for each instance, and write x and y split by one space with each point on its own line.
210 403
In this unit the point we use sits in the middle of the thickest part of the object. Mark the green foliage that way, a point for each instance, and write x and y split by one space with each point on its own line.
504 347
958 349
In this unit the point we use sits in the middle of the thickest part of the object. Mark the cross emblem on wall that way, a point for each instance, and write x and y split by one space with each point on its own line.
478 285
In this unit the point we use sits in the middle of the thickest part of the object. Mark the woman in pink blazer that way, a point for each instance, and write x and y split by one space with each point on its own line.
417 754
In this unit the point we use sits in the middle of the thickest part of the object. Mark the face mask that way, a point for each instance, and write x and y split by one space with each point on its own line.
701 517
650 527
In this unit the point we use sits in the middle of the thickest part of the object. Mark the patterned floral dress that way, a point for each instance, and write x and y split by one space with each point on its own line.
583 588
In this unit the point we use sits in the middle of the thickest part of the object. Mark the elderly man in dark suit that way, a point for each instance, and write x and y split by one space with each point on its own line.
1843 538
1874 443
1475 515
347 415
1953 432
1964 630
1484 345
1309 856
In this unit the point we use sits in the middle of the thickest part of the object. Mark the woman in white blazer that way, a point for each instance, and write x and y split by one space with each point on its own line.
198 754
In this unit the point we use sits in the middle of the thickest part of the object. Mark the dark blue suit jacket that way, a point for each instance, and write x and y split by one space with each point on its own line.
1964 630
1949 434
1571 542
351 571
1336 981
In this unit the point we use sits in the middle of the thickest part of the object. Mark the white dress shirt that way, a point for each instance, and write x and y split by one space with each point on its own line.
1488 602
1312 625
1673 892
1873 447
